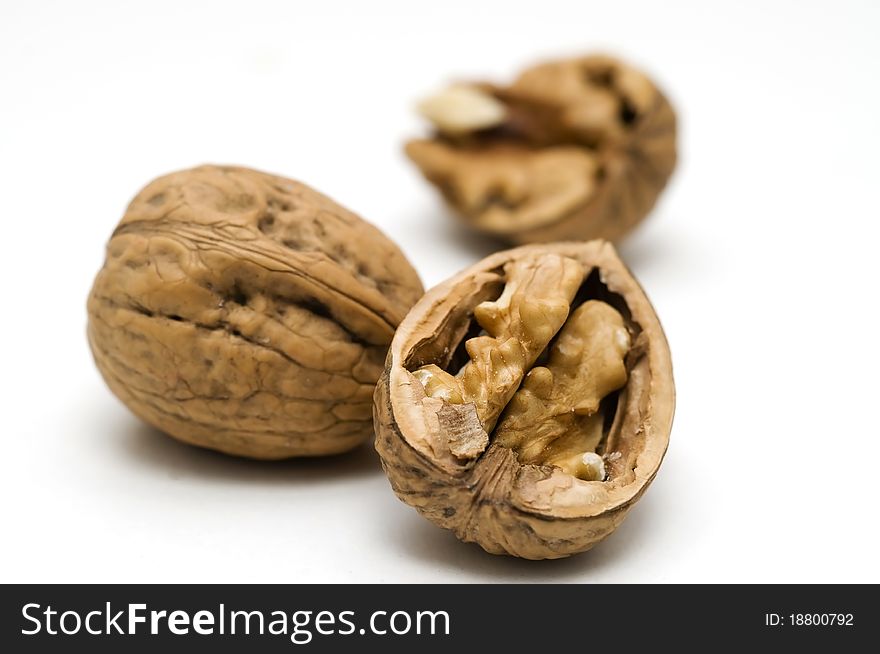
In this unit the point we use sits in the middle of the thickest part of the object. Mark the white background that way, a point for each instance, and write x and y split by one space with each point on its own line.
761 261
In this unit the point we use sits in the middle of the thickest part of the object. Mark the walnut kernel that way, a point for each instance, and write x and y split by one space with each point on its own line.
526 403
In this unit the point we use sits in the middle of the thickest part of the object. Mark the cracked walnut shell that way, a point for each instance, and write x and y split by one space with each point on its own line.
247 313
573 149
526 403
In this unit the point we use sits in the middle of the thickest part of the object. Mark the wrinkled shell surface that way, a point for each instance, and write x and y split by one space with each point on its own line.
527 402
247 313
584 151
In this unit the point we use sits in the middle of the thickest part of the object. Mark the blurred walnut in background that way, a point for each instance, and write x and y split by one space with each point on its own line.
574 149
247 313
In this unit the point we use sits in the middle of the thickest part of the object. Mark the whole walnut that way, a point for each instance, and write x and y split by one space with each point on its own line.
526 403
247 313
575 149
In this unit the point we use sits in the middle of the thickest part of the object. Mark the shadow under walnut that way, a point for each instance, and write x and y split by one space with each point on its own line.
247 313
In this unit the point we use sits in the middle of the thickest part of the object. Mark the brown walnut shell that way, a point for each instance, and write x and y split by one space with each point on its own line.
574 149
247 313
527 402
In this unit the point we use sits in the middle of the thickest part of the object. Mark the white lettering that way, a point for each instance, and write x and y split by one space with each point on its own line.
155 616
24 613
134 618
112 623
203 623
89 623
178 623
373 623
77 621
395 615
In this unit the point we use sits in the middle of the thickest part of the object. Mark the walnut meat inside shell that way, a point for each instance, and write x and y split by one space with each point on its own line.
247 313
526 403
573 149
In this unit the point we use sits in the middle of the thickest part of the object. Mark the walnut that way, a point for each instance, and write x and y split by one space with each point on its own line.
526 403
247 313
573 149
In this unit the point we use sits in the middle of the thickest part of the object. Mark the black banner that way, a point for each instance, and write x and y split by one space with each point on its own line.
252 618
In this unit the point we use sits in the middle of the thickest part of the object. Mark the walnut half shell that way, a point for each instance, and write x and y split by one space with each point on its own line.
573 149
247 313
526 403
